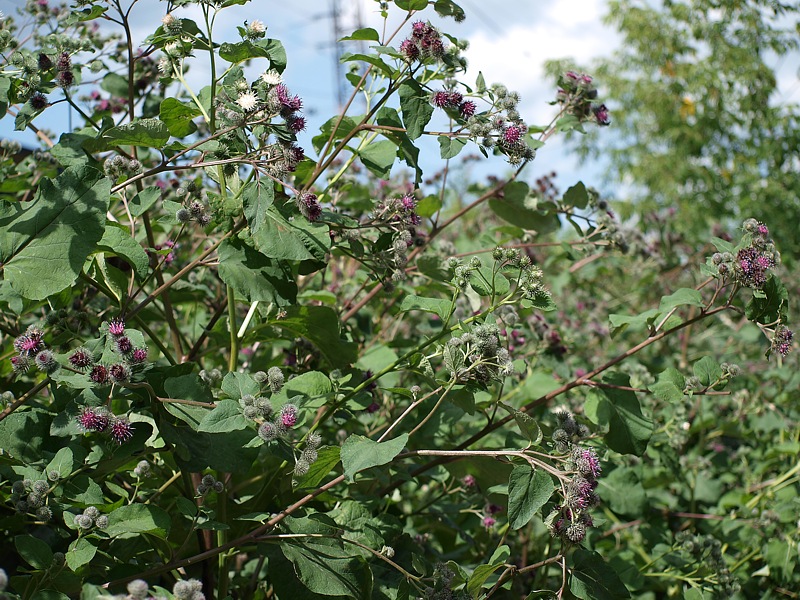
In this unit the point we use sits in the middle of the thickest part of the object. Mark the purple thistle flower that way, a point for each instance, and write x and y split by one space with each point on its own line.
124 344
489 522
20 364
92 419
80 359
296 124
288 416
46 361
601 114
468 481
762 230
309 207
38 101
512 135
119 372
782 340
588 464
99 374
467 109
120 430
409 49
64 62
408 201
138 356
116 327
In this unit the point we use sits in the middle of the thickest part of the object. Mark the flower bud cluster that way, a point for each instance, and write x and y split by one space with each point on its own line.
193 209
255 408
308 455
478 355
568 433
131 357
209 483
211 378
30 497
570 519
33 351
752 264
453 100
576 93
101 420
424 44
283 422
707 550
119 166
90 518
309 206
253 31
142 469
782 340
190 589
502 127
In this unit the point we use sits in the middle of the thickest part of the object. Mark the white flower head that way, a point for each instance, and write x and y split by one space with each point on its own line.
168 19
173 49
164 66
257 27
271 77
248 101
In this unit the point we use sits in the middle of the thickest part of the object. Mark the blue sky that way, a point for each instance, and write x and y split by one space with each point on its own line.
509 42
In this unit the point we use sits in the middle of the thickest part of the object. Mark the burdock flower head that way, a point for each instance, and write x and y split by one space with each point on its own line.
782 340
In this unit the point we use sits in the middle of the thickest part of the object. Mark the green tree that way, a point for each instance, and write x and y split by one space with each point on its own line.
700 121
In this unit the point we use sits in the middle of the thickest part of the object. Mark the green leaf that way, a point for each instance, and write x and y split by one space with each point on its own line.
528 491
150 133
34 551
359 453
415 107
117 240
254 276
23 433
177 116
681 297
437 306
367 34
45 243
226 416
629 430
526 423
511 207
412 4
623 492
144 200
242 51
66 461
277 237
236 384
707 370
138 518
482 572
429 206
577 195
327 458
320 326
370 59
487 283
636 322
772 306
593 579
81 552
449 147
379 157
327 569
